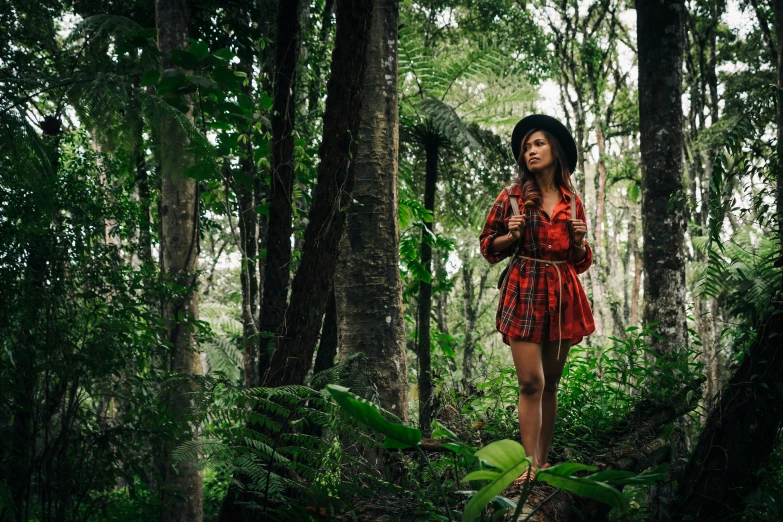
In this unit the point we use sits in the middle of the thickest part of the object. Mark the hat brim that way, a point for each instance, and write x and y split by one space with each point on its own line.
552 126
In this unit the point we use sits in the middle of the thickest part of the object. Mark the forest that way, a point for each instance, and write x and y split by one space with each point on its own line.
240 274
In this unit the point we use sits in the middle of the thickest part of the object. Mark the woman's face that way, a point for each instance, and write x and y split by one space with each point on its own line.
537 153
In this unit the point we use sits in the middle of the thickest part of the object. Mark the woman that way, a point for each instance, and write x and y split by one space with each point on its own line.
543 309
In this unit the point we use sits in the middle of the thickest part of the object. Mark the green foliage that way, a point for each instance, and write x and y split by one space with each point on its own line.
79 344
509 458
397 435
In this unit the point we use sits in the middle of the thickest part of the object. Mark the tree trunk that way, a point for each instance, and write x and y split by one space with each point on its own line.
278 243
179 216
293 357
143 190
637 272
472 303
316 82
740 434
660 117
244 182
778 9
660 47
327 347
423 348
368 289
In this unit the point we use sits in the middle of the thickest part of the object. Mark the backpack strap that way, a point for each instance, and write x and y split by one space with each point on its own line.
514 204
573 204
513 199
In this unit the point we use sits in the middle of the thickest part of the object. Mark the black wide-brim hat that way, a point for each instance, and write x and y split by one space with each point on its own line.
553 127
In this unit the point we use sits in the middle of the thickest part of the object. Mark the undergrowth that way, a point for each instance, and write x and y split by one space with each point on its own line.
300 457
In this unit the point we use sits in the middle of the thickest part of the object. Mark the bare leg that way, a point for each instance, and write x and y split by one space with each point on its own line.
553 370
530 375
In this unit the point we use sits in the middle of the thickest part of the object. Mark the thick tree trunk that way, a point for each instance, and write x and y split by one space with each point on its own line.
423 348
660 117
368 289
278 243
660 49
294 354
179 216
740 433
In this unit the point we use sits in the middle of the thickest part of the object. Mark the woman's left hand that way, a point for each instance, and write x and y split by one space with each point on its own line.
578 230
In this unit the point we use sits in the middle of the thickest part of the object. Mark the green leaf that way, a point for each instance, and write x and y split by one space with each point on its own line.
150 77
569 468
398 436
587 488
266 101
201 171
199 49
502 454
224 54
634 192
172 83
628 478
184 59
204 83
482 474
507 455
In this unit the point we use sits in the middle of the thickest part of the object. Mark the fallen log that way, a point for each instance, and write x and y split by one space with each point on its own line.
740 433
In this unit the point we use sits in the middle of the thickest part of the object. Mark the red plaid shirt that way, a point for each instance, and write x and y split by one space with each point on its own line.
530 300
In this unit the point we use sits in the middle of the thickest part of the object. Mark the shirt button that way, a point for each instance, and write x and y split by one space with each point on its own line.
549 246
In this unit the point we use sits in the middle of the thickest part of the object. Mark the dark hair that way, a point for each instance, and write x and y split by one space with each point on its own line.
526 179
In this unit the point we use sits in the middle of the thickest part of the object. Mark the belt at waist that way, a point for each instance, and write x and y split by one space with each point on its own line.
555 263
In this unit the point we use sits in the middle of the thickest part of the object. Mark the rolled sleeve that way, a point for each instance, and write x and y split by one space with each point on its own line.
584 264
495 226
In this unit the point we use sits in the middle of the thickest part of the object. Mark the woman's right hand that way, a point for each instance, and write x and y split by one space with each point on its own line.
515 225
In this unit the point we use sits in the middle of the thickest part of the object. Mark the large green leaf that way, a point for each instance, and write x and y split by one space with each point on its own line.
398 436
586 487
502 454
510 459
569 468
629 478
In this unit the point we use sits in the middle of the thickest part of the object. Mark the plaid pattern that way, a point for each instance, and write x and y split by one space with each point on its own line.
528 306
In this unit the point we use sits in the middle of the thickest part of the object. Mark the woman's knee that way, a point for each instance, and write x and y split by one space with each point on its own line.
551 383
531 383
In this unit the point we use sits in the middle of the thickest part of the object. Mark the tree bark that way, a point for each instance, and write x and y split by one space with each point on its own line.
472 304
368 289
244 182
637 272
660 117
740 433
660 47
423 348
778 10
277 272
179 216
336 173
315 86
327 347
